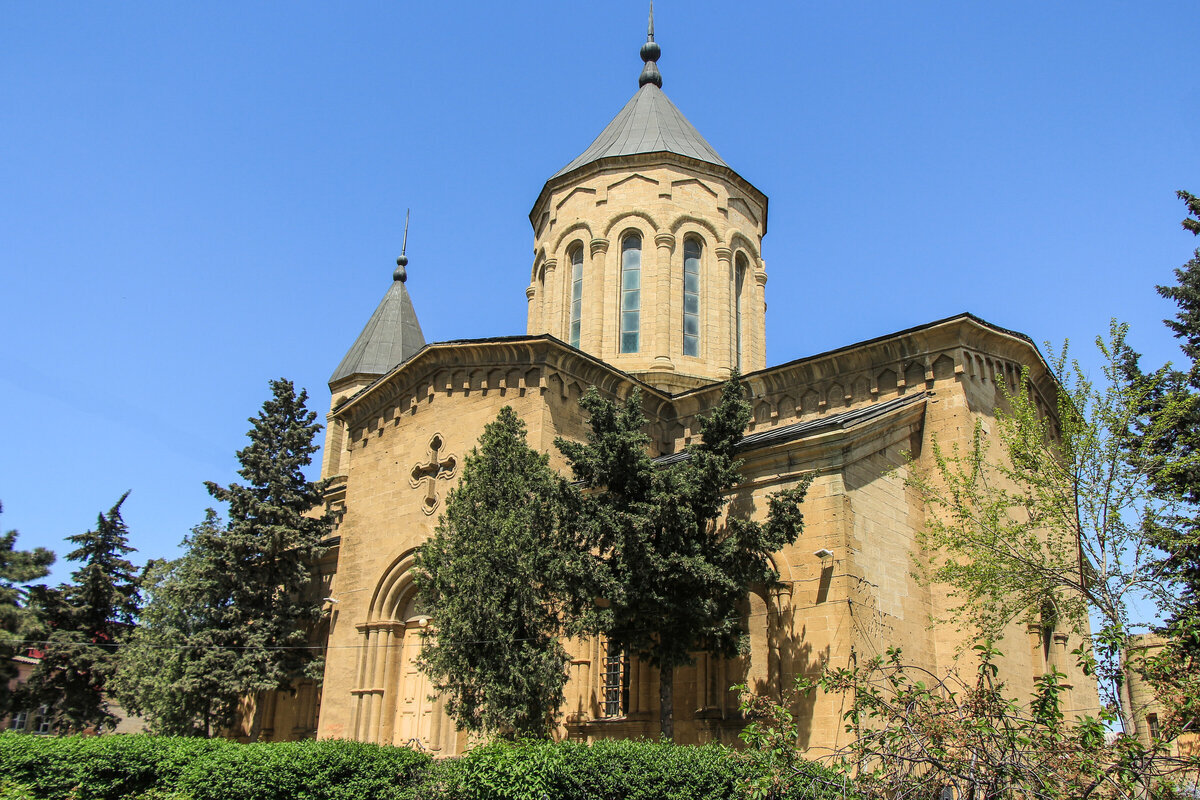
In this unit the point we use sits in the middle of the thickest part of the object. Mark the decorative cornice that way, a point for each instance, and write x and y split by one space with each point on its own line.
634 161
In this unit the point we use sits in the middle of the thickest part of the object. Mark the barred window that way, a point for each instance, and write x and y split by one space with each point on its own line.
616 680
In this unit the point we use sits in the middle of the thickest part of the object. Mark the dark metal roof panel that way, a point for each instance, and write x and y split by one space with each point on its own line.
799 430
392 335
649 123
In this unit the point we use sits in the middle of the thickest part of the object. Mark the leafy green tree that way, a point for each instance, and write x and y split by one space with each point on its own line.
270 546
670 576
84 624
179 669
490 577
17 567
1049 518
915 734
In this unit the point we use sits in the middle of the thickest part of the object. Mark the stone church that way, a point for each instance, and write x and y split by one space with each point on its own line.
649 273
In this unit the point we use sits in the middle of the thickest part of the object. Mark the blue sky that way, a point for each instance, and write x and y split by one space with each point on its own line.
197 198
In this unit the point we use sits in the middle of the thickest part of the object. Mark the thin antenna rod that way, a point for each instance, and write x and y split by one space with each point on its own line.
408 211
650 35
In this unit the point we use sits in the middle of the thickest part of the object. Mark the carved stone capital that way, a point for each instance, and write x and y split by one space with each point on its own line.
550 264
599 246
530 291
723 253
666 240
760 278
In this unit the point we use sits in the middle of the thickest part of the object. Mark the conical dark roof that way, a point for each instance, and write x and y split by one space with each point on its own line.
392 335
649 123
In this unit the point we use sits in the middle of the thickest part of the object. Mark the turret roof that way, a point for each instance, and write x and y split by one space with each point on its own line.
392 335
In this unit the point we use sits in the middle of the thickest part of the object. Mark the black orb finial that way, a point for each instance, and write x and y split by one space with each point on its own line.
401 274
650 54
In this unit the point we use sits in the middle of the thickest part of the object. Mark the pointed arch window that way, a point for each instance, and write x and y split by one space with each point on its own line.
631 292
576 258
739 290
691 297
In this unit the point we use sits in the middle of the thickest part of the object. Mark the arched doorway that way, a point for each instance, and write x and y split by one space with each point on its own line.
392 703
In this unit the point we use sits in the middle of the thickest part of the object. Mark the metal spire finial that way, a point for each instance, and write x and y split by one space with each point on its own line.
650 53
401 274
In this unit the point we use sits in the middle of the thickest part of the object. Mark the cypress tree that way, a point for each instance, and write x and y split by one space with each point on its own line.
670 577
489 577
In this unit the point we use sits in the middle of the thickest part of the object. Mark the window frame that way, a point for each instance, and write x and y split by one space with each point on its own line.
575 303
741 268
692 240
629 299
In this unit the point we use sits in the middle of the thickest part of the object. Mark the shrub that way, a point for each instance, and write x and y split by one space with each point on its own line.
606 770
165 768
324 770
120 767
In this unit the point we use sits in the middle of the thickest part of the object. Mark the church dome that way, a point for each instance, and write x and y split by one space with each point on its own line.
649 123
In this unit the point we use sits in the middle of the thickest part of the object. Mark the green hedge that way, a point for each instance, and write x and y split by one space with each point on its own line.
605 770
163 768
119 767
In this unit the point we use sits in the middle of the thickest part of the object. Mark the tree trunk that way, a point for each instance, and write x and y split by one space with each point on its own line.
256 722
666 702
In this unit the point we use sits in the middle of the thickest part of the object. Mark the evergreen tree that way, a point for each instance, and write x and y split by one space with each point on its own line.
1168 430
232 618
271 545
488 576
180 667
670 576
16 567
84 623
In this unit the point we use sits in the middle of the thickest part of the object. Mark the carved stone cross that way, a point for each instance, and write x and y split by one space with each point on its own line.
440 467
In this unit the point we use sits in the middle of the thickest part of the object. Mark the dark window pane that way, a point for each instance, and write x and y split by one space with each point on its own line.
629 342
691 324
691 304
691 345
631 301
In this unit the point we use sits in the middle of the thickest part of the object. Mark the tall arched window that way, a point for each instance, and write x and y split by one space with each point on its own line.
739 287
576 257
691 297
631 291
